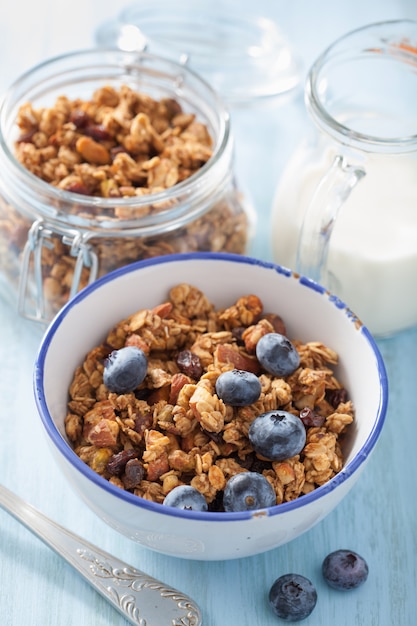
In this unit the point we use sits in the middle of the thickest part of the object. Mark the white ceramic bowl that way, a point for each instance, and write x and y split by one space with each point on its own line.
310 312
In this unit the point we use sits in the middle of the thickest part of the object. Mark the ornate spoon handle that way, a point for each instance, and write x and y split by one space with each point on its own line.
141 599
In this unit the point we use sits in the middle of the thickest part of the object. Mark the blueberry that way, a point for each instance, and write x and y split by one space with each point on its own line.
187 498
248 491
277 435
292 597
277 355
238 387
125 369
344 570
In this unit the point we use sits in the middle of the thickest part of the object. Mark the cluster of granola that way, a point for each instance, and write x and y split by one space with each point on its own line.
121 143
174 429
118 145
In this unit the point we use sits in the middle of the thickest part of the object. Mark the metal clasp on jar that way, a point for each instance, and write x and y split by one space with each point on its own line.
32 300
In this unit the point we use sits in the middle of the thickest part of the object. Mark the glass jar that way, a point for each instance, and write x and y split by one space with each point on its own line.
345 210
55 241
240 52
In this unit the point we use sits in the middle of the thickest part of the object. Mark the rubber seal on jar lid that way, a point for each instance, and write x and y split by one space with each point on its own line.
244 56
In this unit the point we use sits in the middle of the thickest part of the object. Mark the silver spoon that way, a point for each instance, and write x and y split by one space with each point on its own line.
141 599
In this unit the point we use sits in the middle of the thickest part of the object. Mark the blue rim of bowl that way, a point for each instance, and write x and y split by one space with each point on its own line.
65 449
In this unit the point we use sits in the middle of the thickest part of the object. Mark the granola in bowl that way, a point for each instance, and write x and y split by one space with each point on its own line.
173 429
174 307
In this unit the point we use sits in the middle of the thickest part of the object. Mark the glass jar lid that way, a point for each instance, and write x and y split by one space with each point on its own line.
244 56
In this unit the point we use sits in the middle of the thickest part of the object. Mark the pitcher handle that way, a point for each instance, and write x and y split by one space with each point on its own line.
332 191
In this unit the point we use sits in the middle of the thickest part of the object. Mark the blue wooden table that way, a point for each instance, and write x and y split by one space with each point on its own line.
378 519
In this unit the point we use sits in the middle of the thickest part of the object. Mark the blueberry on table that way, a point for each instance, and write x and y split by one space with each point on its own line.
277 435
187 498
292 597
248 491
277 354
344 570
125 369
238 387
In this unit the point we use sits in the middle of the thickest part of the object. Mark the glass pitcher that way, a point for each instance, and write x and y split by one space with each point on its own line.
345 210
